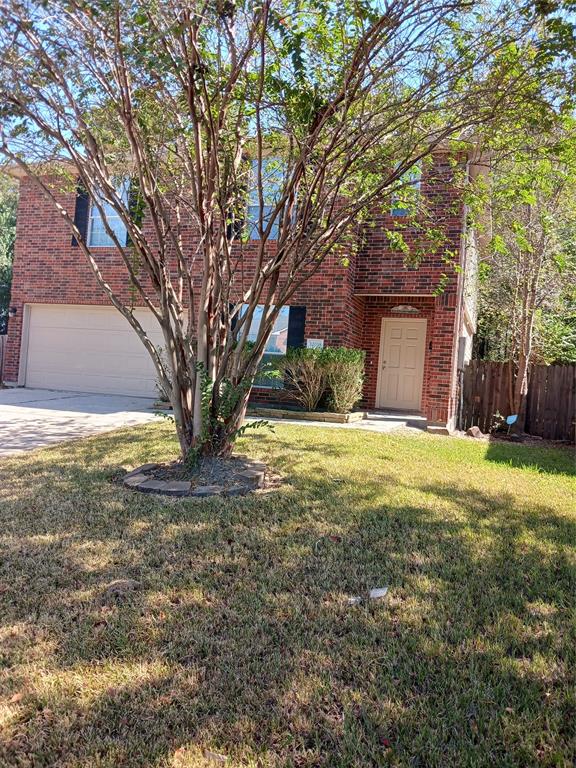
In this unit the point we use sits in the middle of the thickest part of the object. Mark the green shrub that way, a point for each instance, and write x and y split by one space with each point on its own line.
304 374
333 373
344 376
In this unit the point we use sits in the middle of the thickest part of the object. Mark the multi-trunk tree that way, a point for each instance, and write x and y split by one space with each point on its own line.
528 268
190 122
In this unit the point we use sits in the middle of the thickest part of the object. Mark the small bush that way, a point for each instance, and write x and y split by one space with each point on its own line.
333 374
304 374
344 375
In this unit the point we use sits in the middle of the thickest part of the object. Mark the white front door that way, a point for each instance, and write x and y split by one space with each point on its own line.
401 364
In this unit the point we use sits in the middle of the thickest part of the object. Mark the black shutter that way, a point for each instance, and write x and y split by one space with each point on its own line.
296 323
81 214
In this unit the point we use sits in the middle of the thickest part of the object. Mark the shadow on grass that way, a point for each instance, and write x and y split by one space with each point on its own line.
240 638
552 460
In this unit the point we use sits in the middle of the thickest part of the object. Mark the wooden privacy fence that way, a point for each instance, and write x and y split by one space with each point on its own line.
550 404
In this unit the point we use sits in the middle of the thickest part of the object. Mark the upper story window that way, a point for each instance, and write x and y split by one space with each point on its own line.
405 199
272 180
98 237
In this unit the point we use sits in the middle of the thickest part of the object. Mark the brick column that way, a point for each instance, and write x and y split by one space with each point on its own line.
441 387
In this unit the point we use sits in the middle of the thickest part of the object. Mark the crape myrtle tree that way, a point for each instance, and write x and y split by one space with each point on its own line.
528 267
196 103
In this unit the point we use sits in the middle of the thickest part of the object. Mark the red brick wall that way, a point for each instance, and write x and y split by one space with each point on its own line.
340 309
382 269
48 269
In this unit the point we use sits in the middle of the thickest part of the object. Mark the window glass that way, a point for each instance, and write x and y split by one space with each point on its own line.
98 237
405 199
272 180
277 345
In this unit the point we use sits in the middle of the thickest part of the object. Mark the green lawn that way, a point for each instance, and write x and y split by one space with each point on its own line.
240 640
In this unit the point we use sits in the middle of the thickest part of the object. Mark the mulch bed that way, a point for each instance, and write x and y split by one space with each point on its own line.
521 438
213 476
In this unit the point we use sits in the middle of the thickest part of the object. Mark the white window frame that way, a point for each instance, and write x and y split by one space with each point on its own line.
122 189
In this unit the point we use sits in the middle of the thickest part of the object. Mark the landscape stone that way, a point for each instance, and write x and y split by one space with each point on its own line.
177 488
143 468
133 481
152 485
516 437
436 430
237 490
253 476
474 432
236 477
206 490
258 466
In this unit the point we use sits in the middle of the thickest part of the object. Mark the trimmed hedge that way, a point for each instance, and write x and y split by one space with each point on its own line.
333 373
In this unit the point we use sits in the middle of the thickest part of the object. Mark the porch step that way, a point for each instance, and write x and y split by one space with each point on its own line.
408 418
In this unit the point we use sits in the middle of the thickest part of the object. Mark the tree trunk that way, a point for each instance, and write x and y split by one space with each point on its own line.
525 346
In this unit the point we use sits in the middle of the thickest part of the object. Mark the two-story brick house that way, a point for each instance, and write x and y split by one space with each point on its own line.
63 333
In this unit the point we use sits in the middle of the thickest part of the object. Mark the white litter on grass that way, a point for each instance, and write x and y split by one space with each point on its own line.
354 600
215 757
375 594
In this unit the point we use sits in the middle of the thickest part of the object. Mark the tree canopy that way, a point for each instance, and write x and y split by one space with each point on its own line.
534 226
528 267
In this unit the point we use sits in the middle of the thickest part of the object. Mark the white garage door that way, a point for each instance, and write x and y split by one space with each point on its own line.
89 349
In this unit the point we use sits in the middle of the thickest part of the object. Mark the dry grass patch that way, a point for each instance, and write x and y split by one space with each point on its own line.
239 643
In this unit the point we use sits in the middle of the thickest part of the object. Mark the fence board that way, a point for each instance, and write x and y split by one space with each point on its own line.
489 390
536 420
550 403
532 403
563 421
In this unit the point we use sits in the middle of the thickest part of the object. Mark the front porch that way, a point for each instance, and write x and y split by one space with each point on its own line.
410 343
410 356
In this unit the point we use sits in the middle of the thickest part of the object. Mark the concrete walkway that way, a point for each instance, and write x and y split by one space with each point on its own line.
376 422
35 418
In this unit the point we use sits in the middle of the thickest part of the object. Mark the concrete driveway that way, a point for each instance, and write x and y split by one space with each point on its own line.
34 418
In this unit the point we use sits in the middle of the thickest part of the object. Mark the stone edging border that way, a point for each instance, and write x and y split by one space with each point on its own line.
287 413
246 481
279 413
